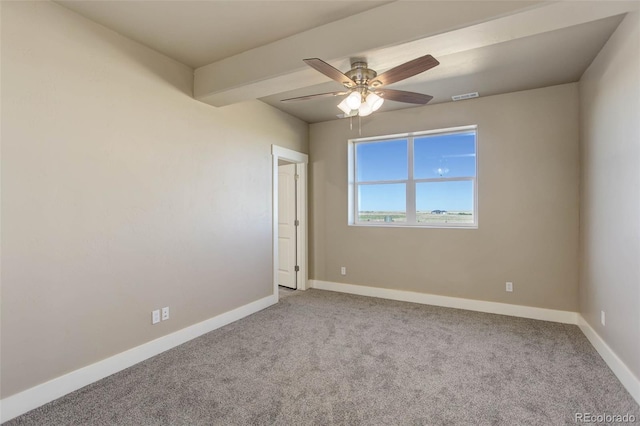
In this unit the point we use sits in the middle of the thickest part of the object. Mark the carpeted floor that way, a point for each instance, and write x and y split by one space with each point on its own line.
286 292
328 358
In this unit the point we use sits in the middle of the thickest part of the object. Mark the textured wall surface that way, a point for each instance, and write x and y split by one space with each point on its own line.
610 195
528 177
120 194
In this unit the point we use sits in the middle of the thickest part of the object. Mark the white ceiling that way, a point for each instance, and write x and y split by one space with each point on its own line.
198 33
546 59
245 50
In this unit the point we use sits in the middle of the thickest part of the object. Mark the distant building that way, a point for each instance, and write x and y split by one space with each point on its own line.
438 212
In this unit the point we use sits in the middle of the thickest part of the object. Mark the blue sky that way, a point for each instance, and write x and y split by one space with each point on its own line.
434 156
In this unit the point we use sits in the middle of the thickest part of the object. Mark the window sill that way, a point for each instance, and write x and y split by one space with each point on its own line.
404 225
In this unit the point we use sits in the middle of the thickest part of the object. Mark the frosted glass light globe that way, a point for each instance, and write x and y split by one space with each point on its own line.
354 100
365 109
344 107
375 101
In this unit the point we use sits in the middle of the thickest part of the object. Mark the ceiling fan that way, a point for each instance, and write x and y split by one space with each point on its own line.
364 86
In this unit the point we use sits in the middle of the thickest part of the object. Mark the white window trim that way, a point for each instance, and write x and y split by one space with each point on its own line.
410 183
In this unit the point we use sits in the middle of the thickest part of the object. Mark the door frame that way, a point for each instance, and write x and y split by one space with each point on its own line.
301 161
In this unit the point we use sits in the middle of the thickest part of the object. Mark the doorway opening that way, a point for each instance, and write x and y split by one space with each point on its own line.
289 187
287 223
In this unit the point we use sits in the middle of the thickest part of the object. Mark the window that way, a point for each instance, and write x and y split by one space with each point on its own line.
425 179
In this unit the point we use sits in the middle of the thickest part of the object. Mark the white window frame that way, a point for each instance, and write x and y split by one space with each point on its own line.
410 182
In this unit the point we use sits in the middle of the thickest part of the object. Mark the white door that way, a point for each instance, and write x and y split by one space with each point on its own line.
287 225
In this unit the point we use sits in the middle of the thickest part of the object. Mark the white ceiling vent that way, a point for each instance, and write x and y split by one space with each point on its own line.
465 96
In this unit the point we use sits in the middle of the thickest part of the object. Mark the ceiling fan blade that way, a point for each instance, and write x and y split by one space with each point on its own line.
329 71
403 96
319 95
406 70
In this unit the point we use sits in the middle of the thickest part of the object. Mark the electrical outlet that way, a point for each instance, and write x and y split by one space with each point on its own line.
602 319
165 313
155 316
509 286
343 270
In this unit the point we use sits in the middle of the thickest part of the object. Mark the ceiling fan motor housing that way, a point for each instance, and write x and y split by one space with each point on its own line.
360 73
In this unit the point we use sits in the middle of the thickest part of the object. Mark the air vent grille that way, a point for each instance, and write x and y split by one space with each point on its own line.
465 96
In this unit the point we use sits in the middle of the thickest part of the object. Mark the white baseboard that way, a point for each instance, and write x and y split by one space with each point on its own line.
29 399
619 368
565 317
36 396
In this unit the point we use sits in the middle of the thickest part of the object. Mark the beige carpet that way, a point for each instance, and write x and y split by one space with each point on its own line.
326 358
286 292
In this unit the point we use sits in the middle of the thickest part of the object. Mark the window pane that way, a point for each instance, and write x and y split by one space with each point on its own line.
382 203
445 202
382 160
452 155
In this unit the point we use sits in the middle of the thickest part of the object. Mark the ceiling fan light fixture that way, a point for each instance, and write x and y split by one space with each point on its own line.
354 100
375 101
344 107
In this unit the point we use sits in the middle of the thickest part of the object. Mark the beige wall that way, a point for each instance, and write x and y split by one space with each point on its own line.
610 192
120 194
528 205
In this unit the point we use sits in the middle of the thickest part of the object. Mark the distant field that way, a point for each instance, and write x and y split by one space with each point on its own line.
423 217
